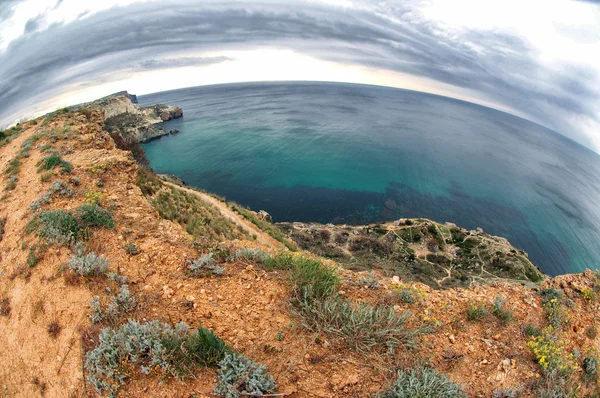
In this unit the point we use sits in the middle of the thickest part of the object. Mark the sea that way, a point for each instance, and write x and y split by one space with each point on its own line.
356 154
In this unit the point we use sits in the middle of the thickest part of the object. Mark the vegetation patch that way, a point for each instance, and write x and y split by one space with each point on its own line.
90 264
500 311
240 376
423 383
52 161
2 227
476 311
551 355
205 265
152 346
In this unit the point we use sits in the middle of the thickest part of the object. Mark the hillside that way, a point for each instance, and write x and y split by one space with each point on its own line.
94 248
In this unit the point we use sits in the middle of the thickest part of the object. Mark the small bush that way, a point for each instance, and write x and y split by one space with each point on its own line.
56 226
12 183
550 352
240 376
503 315
54 329
37 204
45 177
205 265
476 311
312 280
551 294
507 393
90 264
407 296
5 307
590 366
95 216
150 345
93 197
249 254
362 326
96 313
125 300
279 261
422 383
531 330
52 161
60 188
2 227
131 248
590 332
555 313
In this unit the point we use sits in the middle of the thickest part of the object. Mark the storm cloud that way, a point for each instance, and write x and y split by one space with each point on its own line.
109 45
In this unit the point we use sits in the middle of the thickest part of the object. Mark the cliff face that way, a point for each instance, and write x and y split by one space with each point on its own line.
124 116
88 240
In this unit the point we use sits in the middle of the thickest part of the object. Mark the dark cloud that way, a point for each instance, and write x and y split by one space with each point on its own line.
502 68
181 62
33 23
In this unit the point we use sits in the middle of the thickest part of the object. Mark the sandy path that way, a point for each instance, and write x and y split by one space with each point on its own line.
261 237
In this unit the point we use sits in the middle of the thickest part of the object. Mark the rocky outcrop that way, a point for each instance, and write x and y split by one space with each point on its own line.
124 116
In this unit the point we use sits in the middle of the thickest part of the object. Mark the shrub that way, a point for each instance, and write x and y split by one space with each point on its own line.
555 312
150 345
371 281
503 315
96 313
312 280
12 183
95 216
56 226
240 376
550 353
113 276
590 332
90 264
60 188
52 161
131 248
407 296
554 385
531 330
43 199
361 326
550 294
280 261
93 197
205 265
476 311
507 393
125 300
422 383
2 227
54 329
590 366
5 307
249 254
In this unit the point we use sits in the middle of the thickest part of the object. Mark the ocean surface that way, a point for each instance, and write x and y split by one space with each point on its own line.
353 154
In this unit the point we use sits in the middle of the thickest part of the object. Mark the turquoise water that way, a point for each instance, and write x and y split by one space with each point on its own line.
344 153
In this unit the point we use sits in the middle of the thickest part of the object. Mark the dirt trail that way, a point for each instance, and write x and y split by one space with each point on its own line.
261 237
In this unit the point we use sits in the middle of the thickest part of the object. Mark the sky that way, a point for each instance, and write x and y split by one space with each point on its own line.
538 59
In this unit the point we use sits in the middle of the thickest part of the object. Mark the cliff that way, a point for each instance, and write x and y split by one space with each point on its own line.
125 117
114 280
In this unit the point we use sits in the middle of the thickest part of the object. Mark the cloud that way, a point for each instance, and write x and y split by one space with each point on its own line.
181 62
498 67
33 23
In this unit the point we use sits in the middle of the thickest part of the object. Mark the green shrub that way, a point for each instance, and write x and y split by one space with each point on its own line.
150 345
422 383
507 393
52 161
590 332
279 261
56 226
240 376
60 188
407 296
205 265
362 326
476 311
96 313
92 215
131 248
90 264
503 315
12 183
2 227
312 280
531 330
549 350
37 204
249 254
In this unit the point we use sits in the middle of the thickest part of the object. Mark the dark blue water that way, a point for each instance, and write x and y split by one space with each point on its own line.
346 153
